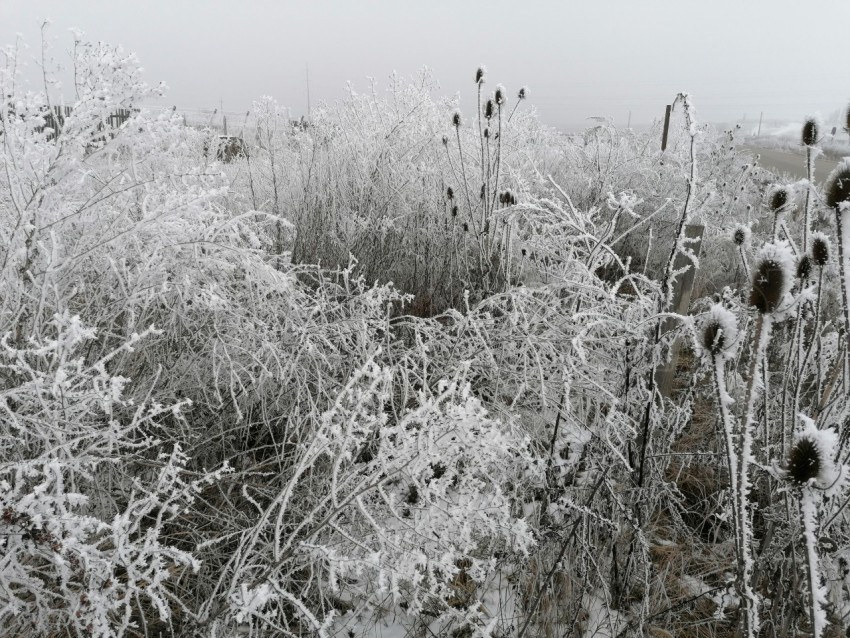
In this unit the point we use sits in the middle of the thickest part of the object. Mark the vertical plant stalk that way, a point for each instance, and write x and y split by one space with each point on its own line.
845 293
817 600
728 424
748 596
802 367
807 210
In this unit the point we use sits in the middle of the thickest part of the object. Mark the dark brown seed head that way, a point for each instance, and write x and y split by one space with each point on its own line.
804 268
457 121
486 132
523 93
768 286
804 462
820 250
454 211
739 236
713 339
450 193
479 74
837 189
778 198
847 119
810 132
488 109
466 227
499 96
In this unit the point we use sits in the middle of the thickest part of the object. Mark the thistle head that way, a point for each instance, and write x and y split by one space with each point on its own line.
480 72
741 235
804 461
779 198
772 277
820 249
488 109
717 334
810 460
457 119
837 187
811 131
804 268
499 95
523 93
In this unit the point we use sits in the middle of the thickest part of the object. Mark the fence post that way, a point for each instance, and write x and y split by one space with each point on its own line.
666 128
682 288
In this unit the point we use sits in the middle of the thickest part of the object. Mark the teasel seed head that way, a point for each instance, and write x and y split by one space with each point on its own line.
499 95
837 188
486 132
780 198
804 268
445 140
820 249
450 193
466 227
811 129
488 108
480 72
741 235
772 277
804 461
718 333
482 191
454 211
523 93
847 118
457 119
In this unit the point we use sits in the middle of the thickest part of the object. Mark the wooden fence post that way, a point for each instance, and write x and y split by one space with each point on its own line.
682 288
666 128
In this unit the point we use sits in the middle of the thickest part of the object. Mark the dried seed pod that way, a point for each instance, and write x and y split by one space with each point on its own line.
454 211
772 278
804 461
488 109
523 93
450 193
741 235
837 188
457 119
811 130
820 249
499 95
718 332
779 197
466 227
480 72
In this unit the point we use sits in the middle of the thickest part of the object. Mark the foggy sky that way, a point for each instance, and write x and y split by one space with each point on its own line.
787 58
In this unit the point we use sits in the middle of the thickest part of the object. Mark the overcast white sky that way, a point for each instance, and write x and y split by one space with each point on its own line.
787 58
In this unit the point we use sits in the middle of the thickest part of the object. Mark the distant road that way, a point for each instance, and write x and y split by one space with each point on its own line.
794 164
